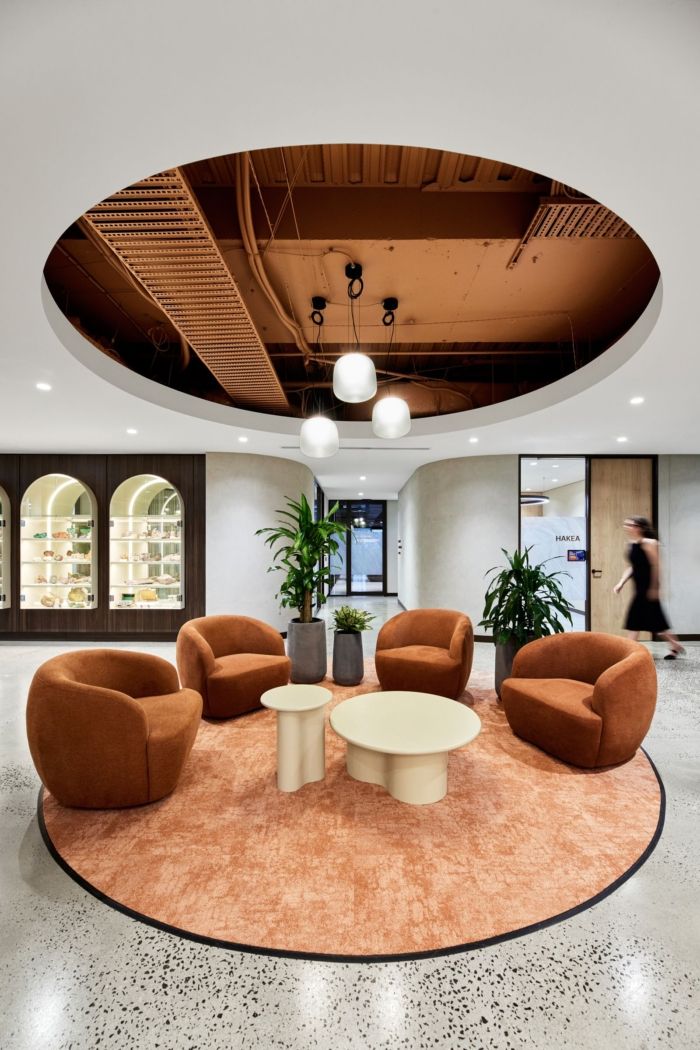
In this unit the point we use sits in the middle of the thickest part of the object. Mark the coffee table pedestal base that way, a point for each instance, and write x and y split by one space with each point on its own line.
301 748
416 779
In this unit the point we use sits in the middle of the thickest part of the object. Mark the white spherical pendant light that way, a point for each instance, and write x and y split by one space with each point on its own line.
354 378
318 437
391 418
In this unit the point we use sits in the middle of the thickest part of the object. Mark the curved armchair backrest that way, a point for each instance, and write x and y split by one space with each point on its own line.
423 627
625 698
226 635
117 670
579 655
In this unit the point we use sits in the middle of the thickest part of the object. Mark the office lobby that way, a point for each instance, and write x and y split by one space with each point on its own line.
547 936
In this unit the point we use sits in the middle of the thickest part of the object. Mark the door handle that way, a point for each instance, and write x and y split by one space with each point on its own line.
596 573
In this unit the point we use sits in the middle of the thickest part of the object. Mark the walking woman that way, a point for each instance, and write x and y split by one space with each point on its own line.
645 612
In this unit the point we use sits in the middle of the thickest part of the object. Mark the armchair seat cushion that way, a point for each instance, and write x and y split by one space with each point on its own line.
556 715
241 676
419 668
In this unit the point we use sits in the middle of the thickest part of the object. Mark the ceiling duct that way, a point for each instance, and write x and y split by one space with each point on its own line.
157 230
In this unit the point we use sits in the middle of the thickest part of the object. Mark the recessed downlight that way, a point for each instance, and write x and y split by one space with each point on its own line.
360 493
637 400
555 466
621 439
555 480
363 477
131 430
533 462
44 386
243 439
473 440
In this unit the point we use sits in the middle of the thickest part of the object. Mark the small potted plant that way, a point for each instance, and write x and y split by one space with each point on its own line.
522 602
348 662
303 547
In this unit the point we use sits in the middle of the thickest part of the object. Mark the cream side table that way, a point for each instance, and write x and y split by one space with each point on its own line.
400 740
301 733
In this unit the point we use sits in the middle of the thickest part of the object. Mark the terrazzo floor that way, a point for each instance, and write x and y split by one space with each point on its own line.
76 975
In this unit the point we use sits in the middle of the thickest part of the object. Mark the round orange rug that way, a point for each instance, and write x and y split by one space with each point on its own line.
340 869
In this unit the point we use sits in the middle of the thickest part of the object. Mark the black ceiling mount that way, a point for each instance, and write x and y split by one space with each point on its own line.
390 304
318 302
353 271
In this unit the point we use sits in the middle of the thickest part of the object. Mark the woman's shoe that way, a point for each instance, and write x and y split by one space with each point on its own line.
678 651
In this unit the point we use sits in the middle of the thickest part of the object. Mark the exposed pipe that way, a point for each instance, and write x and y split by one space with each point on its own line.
250 243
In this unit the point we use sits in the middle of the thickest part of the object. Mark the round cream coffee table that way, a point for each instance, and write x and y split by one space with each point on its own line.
301 733
401 740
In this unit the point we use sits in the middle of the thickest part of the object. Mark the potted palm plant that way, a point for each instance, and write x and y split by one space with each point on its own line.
303 548
348 661
523 601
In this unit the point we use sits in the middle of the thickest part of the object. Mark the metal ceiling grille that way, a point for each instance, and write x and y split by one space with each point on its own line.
572 219
158 232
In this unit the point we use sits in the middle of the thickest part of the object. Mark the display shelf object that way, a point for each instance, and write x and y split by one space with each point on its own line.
58 519
146 545
5 590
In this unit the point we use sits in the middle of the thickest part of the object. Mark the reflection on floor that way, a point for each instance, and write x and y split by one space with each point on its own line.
622 976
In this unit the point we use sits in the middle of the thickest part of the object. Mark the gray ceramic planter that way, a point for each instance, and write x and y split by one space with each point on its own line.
306 648
348 662
505 654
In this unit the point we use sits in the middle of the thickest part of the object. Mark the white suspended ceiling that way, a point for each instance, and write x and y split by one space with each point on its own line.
601 96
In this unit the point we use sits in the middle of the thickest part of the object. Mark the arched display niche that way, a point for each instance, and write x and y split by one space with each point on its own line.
146 545
5 524
58 531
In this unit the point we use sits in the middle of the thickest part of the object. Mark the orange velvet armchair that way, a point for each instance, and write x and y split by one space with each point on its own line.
110 728
426 651
231 661
584 697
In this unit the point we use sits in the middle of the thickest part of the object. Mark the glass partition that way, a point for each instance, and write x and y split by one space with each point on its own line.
553 523
4 550
146 545
58 566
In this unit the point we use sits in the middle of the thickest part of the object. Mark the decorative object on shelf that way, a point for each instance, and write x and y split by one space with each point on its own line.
39 536
391 418
148 594
318 437
77 596
48 600
348 659
522 602
304 547
60 535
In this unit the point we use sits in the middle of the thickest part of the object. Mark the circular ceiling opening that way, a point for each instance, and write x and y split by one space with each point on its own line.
243 278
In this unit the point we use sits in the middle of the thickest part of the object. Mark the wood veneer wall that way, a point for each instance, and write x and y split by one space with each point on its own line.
102 474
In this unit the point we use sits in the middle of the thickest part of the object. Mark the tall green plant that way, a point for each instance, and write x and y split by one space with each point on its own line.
305 546
523 601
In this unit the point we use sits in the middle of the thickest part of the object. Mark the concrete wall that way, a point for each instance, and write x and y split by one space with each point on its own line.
454 517
679 532
392 532
243 494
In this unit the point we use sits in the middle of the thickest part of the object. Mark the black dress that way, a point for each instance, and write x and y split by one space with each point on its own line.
644 614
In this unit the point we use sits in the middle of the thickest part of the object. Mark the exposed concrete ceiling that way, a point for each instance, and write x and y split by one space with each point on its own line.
615 135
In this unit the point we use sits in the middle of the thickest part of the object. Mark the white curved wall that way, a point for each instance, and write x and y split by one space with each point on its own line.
454 517
243 494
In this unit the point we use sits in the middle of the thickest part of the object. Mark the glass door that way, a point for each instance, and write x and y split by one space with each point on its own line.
359 566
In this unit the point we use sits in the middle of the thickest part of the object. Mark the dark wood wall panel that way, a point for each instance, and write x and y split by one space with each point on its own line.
102 474
9 480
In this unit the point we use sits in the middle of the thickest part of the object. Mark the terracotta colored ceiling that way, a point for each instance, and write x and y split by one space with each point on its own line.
505 280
